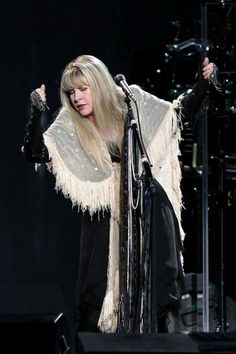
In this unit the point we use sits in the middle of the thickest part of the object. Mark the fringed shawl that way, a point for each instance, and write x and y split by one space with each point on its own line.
79 178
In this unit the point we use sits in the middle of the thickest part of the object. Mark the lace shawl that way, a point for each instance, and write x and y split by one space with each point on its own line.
91 189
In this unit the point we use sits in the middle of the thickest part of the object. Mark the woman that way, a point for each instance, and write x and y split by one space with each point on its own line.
83 148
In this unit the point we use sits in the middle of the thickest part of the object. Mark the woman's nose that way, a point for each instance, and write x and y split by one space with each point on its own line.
77 95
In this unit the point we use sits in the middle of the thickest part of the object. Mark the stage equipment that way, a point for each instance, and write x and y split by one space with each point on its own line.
191 307
161 343
183 48
216 25
205 217
216 157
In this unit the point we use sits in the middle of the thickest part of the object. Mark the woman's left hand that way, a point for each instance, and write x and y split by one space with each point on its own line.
207 68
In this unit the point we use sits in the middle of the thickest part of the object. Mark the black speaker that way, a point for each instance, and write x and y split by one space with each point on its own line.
175 343
33 334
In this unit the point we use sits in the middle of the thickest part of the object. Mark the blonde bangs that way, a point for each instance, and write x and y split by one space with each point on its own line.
69 77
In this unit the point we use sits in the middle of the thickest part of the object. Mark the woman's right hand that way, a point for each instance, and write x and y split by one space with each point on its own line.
41 91
38 98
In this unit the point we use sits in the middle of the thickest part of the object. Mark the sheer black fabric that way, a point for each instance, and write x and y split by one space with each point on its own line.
34 148
192 101
167 272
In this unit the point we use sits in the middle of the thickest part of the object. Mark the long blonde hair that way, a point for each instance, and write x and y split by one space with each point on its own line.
107 107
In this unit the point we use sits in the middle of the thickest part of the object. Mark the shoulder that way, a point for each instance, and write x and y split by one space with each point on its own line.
138 92
136 89
61 114
146 97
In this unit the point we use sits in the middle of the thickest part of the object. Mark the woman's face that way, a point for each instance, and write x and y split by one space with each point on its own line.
81 98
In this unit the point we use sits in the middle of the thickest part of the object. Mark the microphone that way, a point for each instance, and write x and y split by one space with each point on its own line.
121 81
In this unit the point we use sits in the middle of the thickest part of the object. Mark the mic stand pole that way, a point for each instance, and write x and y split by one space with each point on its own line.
205 217
222 323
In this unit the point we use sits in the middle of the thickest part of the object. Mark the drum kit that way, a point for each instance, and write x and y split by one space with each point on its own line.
217 144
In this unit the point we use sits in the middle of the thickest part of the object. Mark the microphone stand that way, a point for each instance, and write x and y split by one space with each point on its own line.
205 216
132 253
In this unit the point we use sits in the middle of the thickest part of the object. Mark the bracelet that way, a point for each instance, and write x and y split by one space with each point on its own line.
213 79
37 101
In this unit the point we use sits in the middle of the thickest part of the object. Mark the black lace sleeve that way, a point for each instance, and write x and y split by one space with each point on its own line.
193 100
34 148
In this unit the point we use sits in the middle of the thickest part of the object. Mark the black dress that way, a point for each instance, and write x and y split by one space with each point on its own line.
94 233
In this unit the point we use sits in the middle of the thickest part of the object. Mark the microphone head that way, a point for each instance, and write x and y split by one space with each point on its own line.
118 78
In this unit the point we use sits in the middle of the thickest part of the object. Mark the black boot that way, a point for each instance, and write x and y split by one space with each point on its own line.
87 319
162 323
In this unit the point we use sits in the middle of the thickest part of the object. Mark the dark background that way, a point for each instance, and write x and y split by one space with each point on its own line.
39 240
